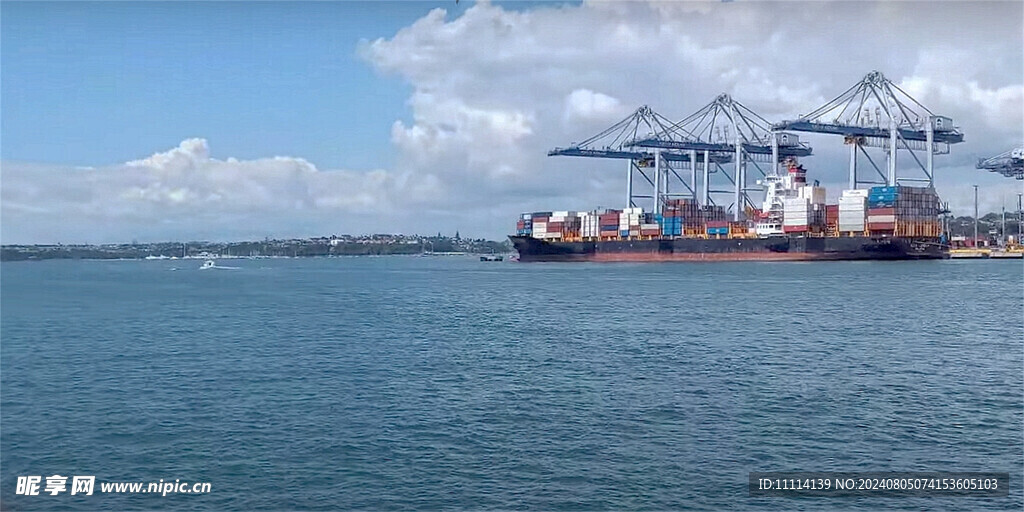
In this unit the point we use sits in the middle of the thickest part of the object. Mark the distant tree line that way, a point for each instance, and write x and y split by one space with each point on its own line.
344 246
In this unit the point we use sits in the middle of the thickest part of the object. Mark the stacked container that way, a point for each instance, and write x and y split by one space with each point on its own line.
524 226
717 227
853 211
814 195
671 224
589 227
831 216
675 213
540 224
903 211
679 215
629 222
796 214
650 229
564 224
713 213
608 223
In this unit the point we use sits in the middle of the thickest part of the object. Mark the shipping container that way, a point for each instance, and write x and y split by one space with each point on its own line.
816 195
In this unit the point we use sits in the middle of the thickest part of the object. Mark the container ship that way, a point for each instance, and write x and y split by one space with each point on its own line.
794 224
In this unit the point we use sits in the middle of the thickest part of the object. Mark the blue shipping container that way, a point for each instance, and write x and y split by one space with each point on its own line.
624 232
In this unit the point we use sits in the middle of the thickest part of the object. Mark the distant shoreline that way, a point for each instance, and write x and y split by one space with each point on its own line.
370 245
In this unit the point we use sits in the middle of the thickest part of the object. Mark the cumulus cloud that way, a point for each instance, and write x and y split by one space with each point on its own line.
185 193
572 71
587 105
494 89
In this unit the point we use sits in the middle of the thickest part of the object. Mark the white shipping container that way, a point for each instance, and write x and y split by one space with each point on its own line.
881 218
813 194
856 192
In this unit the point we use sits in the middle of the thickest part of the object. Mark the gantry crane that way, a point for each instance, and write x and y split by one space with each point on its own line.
898 122
726 127
1009 164
612 143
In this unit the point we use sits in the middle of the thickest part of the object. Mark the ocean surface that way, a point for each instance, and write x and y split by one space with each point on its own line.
428 383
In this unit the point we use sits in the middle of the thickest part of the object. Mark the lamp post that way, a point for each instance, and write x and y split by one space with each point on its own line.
975 216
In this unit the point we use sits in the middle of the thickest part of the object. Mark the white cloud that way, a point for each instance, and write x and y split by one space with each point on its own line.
493 90
587 105
185 193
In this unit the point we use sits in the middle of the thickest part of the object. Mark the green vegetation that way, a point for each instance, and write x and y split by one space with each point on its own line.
333 246
990 224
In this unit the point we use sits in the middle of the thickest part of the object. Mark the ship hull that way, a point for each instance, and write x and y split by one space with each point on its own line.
732 249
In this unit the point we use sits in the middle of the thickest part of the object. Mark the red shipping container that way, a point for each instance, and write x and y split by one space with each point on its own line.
794 229
718 224
881 211
540 219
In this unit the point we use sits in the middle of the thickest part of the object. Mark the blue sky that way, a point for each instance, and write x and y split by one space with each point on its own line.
279 78
81 80
240 120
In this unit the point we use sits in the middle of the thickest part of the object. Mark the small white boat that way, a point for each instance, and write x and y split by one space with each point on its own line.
208 264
